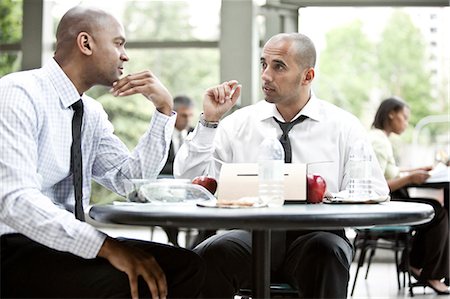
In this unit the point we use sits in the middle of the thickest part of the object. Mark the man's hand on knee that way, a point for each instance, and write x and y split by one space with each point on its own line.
135 262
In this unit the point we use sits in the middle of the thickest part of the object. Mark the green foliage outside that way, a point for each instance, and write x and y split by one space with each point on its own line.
401 66
157 20
346 67
182 71
10 32
352 68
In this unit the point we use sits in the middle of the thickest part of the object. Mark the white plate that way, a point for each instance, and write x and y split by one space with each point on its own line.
356 200
214 204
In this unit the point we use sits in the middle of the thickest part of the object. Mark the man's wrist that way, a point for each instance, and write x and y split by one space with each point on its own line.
208 124
105 250
167 110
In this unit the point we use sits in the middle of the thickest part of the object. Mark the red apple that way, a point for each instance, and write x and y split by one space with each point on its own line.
208 182
316 188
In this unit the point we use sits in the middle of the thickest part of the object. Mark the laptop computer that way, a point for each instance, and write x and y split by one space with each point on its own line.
239 180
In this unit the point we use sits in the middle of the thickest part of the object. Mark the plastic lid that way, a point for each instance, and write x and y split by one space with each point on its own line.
170 191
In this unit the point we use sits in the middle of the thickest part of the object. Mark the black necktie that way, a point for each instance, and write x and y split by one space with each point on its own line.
284 139
278 242
76 162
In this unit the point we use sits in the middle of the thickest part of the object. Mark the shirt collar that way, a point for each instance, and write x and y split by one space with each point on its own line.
64 87
311 110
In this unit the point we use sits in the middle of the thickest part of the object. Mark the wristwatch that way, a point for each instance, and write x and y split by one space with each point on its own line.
208 124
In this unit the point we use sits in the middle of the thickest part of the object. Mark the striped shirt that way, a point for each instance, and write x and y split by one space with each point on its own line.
35 139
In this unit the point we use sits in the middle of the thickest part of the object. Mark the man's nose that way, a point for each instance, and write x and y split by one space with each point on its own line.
266 74
124 57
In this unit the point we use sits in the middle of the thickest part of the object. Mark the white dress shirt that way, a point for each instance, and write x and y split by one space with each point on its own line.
325 136
35 141
178 138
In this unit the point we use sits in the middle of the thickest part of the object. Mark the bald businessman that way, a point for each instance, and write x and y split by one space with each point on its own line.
54 140
316 262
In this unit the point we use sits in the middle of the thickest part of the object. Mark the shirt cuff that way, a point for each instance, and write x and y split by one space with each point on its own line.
89 241
161 125
203 136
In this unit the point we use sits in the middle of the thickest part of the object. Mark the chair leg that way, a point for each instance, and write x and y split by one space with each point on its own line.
404 278
369 262
152 231
406 252
397 266
355 241
362 256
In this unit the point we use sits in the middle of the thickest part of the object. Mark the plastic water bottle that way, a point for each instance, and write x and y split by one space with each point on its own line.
271 172
360 185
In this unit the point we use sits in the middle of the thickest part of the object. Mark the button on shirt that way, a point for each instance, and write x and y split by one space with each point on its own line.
325 136
35 178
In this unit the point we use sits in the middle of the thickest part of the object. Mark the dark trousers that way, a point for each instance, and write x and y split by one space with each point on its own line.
429 249
31 270
317 263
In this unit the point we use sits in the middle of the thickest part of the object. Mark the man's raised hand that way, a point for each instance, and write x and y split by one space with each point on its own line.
218 100
147 84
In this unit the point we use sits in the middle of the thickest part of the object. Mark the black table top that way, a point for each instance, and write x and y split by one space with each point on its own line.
436 185
287 217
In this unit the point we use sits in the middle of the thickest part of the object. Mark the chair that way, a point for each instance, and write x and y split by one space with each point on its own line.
395 238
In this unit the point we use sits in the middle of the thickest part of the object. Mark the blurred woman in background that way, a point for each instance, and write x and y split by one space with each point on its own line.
429 258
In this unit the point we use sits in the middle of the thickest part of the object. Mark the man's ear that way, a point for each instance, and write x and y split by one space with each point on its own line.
84 41
309 76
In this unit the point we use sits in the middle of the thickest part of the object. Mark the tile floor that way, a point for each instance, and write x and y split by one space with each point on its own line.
382 283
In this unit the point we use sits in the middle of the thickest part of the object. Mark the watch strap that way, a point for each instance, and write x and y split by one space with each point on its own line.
208 124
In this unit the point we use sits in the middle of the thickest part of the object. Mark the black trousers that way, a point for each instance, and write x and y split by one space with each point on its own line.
429 249
31 270
317 263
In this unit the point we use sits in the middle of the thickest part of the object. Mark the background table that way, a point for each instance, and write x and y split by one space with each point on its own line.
262 220
444 185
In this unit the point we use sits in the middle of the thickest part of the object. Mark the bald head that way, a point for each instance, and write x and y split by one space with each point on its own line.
90 47
79 19
302 47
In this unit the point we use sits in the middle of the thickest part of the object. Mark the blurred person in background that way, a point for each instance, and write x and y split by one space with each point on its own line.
184 107
429 258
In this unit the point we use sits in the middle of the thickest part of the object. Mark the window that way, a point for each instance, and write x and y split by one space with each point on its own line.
10 35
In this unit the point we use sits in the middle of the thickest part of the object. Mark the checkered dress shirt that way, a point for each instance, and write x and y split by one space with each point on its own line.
35 140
